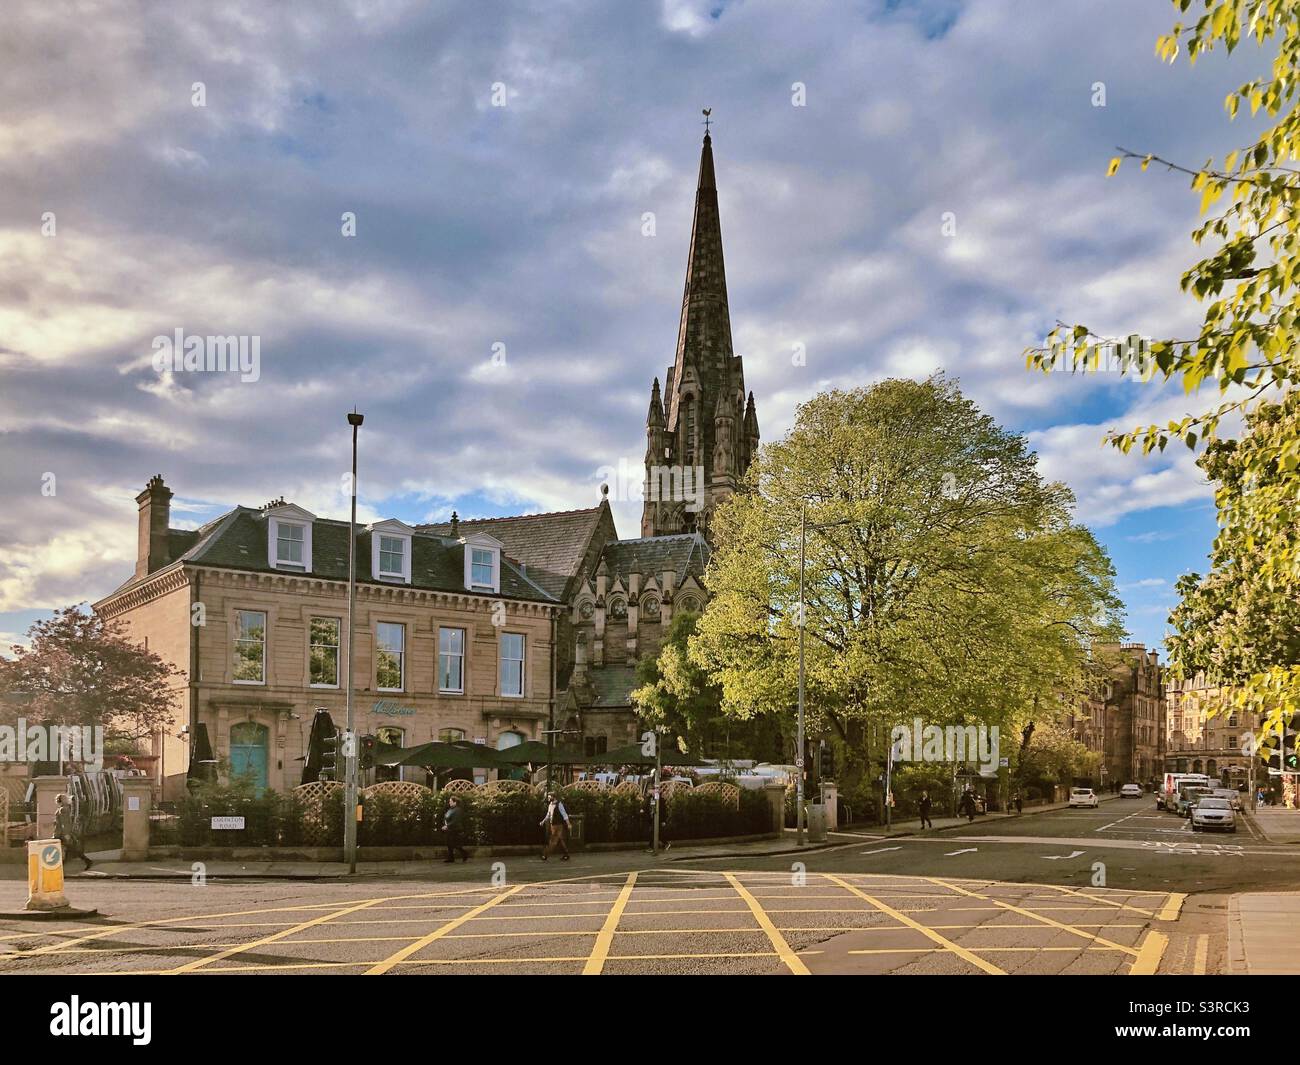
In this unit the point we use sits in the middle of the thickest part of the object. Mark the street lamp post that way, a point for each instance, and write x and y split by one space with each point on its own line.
798 743
350 747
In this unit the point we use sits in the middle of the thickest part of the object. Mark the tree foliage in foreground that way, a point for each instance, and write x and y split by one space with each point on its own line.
1245 352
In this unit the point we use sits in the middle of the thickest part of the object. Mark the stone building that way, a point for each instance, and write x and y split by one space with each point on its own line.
454 638
1134 713
1202 739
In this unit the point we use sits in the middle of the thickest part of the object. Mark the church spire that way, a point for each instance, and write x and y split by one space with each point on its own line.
705 425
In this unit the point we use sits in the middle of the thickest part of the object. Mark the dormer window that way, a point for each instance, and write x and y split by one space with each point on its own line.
482 563
288 543
392 556
390 551
288 537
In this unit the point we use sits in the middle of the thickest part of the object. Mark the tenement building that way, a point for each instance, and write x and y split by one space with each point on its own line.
475 629
1134 713
1204 738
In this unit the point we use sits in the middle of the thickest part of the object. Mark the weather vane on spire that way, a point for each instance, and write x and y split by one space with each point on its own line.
707 112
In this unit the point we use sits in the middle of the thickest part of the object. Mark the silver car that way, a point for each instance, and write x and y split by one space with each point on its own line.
1211 812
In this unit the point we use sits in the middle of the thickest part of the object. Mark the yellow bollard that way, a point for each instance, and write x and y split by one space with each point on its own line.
45 875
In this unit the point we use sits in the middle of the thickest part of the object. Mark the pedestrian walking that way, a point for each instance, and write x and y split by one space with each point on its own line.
453 824
967 805
556 823
66 830
925 806
1020 803
648 811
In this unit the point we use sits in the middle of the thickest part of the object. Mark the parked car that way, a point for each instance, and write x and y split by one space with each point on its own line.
1231 794
1083 797
1131 791
1210 811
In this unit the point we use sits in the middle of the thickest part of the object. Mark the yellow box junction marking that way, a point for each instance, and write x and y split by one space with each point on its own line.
929 933
783 950
438 933
605 937
1038 917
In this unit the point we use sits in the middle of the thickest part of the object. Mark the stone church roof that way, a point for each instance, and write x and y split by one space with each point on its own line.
686 554
611 686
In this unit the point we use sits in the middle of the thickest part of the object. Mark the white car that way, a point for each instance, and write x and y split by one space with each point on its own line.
1211 812
1131 791
1083 797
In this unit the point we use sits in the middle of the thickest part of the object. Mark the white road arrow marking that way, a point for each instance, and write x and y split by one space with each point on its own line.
966 850
883 850
1058 857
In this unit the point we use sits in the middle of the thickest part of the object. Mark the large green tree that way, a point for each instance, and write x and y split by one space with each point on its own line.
1231 624
680 698
81 669
944 577
1244 358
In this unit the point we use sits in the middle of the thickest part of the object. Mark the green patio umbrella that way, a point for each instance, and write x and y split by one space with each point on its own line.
448 756
533 752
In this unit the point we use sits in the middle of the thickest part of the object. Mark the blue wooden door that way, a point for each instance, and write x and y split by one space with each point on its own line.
248 754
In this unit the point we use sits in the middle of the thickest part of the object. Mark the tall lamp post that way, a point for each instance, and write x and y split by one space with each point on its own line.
350 747
798 742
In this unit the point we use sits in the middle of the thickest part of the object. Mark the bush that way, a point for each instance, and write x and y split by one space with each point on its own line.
267 817
501 819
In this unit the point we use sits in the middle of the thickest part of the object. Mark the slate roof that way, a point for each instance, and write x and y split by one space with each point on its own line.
551 545
612 686
238 540
685 554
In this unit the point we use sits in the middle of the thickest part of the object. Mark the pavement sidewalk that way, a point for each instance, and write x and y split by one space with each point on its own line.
1264 934
1278 824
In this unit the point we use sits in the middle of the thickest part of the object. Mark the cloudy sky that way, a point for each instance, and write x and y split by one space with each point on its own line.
500 161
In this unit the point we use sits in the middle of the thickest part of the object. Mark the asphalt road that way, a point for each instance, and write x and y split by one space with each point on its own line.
1122 889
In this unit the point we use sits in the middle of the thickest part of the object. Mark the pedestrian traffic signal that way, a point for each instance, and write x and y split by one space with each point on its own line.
367 752
329 758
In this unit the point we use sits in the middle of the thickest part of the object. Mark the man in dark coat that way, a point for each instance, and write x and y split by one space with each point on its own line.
967 805
925 806
453 823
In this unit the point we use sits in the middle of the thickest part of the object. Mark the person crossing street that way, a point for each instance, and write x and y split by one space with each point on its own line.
556 823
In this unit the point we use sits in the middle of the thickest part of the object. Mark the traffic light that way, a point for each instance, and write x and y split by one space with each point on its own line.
367 752
1290 758
828 761
329 758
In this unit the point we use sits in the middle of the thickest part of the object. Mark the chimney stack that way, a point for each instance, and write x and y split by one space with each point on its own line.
455 525
155 519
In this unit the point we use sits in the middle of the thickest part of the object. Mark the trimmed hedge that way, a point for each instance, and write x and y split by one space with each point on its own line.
502 819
